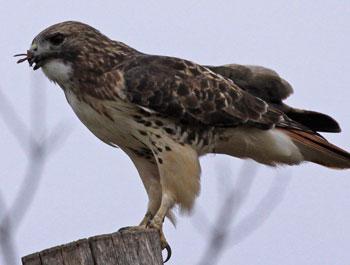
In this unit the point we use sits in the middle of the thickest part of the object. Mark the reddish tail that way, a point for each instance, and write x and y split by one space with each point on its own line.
316 149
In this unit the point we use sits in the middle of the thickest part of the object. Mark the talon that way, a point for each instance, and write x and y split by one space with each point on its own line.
168 249
164 245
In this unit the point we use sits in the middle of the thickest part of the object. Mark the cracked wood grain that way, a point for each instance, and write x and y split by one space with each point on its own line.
121 248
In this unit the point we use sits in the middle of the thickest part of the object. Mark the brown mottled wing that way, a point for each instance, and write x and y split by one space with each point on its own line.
266 84
191 93
259 81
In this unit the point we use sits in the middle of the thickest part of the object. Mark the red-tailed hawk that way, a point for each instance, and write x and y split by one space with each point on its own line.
166 112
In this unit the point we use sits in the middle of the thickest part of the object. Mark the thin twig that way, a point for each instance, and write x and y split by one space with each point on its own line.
221 236
262 211
7 245
57 137
28 188
201 222
231 204
38 147
14 123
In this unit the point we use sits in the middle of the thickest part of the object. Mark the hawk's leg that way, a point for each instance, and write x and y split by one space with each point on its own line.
148 171
157 205
157 221
179 172
146 219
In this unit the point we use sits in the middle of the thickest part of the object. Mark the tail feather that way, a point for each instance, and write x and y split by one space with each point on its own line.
316 149
316 121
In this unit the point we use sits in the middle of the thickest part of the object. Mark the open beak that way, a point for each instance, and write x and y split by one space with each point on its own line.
31 58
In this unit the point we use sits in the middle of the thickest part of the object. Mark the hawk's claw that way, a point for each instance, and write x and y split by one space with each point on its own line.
168 250
163 243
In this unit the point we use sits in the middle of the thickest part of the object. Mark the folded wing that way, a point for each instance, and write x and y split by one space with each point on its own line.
191 93
266 84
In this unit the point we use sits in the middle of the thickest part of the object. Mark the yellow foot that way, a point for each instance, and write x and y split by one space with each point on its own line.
165 246
163 243
147 219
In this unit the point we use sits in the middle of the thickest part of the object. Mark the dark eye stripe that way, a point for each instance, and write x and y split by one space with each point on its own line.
56 39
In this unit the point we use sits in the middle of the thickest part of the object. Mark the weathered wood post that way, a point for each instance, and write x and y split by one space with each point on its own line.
121 248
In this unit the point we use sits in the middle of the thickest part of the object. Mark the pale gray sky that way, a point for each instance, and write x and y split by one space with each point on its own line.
90 188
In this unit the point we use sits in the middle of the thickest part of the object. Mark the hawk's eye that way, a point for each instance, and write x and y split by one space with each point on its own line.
56 39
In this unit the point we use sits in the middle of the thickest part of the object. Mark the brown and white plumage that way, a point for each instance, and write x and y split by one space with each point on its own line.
266 84
166 112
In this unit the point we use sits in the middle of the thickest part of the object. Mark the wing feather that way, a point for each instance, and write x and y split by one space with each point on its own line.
192 93
266 84
262 82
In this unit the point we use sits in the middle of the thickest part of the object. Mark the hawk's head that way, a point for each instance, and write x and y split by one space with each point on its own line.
65 47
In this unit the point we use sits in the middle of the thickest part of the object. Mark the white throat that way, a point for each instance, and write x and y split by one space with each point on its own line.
57 71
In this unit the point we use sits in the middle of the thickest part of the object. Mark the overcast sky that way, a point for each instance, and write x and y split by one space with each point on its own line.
90 188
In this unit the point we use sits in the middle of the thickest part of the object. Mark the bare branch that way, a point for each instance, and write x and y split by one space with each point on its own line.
224 179
38 147
262 211
38 109
233 200
7 246
59 134
221 236
28 188
14 123
201 222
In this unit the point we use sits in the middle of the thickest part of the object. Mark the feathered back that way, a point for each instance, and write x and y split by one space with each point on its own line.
266 84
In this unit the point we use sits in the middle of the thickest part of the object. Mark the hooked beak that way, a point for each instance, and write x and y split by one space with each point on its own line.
32 57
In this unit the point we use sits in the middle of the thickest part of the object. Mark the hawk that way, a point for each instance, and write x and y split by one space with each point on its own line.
166 112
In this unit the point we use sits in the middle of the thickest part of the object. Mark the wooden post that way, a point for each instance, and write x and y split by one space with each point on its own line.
121 248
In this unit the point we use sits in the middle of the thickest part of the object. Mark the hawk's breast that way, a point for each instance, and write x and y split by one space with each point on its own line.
113 125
